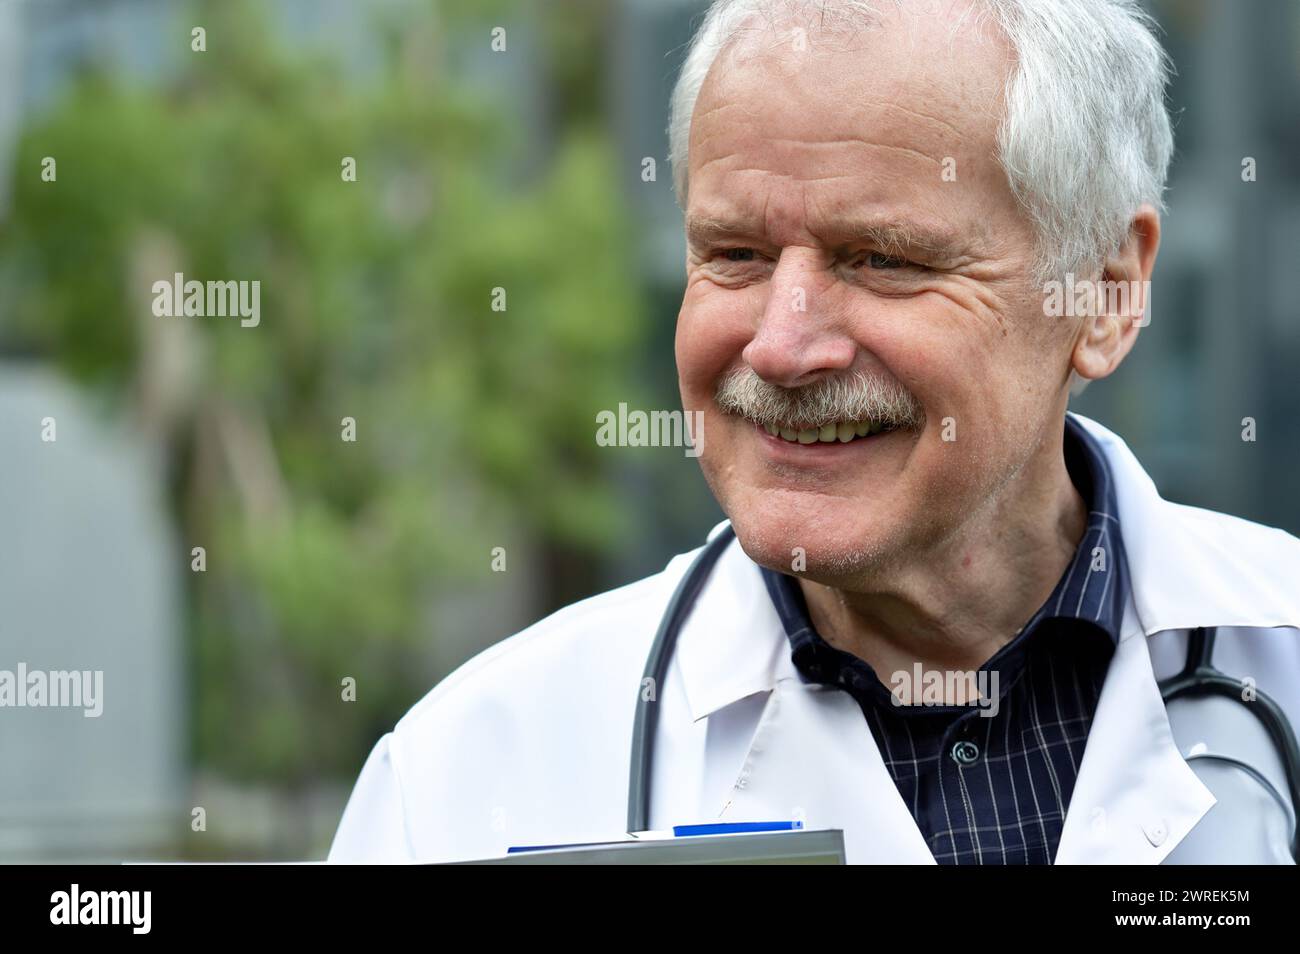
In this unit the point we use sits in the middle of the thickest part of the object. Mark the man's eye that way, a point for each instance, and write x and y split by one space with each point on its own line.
738 254
881 260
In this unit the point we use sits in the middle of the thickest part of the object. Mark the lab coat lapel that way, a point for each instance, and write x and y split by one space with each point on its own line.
1135 797
811 755
813 758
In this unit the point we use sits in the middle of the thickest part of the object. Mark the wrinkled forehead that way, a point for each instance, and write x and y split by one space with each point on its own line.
951 51
816 100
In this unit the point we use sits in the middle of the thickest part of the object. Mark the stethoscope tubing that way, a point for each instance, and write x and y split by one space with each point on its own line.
1199 677
661 651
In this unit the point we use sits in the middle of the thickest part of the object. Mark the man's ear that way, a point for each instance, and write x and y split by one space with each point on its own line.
1121 302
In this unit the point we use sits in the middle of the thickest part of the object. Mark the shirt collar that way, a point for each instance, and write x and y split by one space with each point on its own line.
1093 588
1095 585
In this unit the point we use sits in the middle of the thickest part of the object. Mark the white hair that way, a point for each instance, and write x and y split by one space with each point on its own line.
1085 139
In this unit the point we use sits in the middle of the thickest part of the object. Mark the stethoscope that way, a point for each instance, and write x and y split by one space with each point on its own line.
1198 678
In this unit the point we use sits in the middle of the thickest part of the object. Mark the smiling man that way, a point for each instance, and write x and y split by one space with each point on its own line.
940 609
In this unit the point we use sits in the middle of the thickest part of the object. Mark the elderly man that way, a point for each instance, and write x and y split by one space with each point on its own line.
941 605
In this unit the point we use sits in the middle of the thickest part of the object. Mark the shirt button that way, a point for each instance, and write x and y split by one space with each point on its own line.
965 753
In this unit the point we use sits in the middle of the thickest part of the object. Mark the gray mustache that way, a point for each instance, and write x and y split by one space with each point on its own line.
857 396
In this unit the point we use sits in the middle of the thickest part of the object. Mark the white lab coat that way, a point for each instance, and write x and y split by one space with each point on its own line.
529 741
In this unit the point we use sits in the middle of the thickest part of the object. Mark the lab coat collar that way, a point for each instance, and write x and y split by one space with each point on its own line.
733 645
1186 564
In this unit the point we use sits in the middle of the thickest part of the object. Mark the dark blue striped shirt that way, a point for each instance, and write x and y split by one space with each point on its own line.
994 789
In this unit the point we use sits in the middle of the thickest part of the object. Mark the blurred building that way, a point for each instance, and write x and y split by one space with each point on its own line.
88 582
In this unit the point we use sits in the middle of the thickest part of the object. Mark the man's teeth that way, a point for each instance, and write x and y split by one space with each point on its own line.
843 432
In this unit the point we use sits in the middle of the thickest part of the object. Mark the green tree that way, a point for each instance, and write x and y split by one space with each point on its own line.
324 555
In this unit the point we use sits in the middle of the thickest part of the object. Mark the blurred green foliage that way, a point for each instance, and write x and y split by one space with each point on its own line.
474 427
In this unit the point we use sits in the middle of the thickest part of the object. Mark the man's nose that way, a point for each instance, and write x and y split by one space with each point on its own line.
798 338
